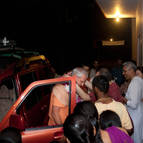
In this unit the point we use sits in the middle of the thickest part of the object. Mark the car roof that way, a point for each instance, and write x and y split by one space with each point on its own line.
24 65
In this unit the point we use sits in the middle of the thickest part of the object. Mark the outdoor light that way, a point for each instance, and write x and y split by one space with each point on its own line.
111 39
117 16
117 19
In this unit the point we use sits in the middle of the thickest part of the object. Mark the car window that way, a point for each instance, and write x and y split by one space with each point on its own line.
33 99
26 79
49 72
36 108
46 73
7 96
39 74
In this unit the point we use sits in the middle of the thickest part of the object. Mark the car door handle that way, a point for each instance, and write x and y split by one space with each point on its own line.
58 135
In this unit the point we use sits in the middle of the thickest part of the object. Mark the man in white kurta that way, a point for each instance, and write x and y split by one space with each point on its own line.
134 95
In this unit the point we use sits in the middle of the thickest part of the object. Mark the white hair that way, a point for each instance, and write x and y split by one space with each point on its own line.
130 65
78 71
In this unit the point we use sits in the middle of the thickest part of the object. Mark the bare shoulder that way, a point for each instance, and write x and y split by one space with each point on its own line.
58 88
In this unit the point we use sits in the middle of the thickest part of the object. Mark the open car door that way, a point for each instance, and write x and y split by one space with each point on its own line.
30 113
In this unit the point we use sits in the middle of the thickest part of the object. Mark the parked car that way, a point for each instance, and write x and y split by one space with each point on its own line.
10 53
29 112
17 76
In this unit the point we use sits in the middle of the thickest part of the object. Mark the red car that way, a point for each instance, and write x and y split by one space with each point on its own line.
30 111
26 107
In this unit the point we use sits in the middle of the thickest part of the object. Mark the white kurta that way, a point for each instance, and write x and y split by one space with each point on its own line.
135 106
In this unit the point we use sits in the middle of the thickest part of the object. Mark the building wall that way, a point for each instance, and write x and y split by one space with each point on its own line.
134 39
139 33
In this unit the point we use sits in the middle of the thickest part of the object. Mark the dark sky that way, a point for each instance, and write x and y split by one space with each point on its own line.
43 20
64 30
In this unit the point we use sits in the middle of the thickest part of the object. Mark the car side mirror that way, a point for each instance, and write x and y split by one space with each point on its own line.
17 121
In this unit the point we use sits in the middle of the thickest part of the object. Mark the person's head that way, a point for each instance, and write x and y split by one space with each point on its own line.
88 109
119 61
105 72
78 129
81 75
139 71
108 119
100 84
129 70
95 63
86 67
10 135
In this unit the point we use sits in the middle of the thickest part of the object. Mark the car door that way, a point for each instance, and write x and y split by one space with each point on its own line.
34 108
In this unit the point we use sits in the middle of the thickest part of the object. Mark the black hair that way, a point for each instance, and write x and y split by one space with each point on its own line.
109 118
10 135
140 68
78 129
101 83
88 109
106 72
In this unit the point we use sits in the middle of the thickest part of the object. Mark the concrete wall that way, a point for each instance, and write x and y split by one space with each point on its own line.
134 39
139 34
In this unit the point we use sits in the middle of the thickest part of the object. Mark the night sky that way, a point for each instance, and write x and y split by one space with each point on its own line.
66 31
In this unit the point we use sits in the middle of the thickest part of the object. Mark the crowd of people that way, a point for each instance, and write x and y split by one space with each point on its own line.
85 126
109 106
118 105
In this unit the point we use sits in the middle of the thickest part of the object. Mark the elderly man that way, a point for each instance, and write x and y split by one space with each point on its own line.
60 99
133 97
81 80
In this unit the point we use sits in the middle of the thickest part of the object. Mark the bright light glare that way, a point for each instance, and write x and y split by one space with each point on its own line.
117 16
118 12
111 39
117 19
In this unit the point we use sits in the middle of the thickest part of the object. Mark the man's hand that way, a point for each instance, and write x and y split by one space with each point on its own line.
83 95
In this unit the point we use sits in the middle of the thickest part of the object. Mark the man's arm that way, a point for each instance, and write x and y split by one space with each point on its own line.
88 84
55 115
83 95
134 93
